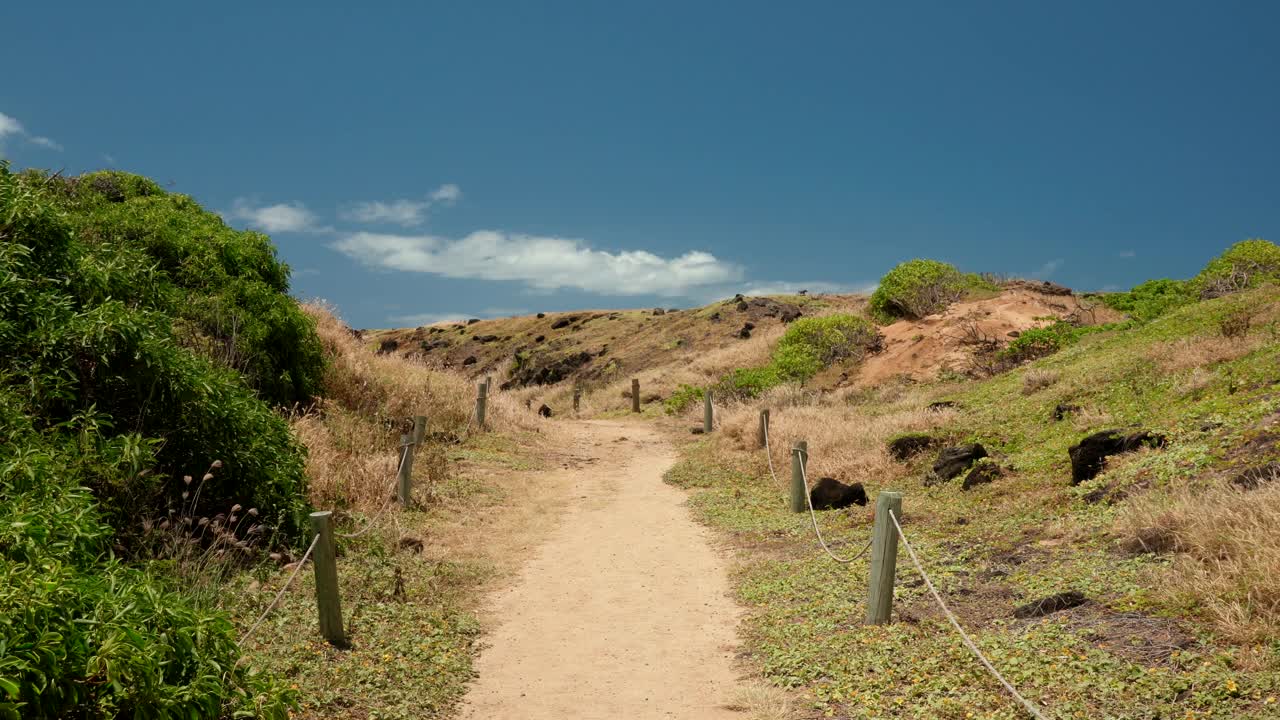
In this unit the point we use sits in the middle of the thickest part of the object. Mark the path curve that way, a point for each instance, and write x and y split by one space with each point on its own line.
624 611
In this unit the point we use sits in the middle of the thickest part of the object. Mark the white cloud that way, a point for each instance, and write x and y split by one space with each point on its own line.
447 194
405 213
1128 254
281 217
1048 269
10 126
400 212
109 159
790 288
542 263
419 319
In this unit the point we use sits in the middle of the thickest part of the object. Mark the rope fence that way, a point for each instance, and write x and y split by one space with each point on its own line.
276 600
884 564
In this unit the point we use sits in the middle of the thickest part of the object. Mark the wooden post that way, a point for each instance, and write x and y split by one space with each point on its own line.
488 383
884 558
482 403
419 430
635 395
405 476
764 428
799 455
577 398
707 415
328 600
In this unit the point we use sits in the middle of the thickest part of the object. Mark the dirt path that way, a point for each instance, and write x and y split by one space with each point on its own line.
624 611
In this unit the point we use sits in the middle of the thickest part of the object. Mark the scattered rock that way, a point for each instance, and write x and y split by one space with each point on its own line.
541 315
906 447
1062 410
831 494
540 338
471 360
486 338
544 411
1051 604
1254 477
651 398
742 306
659 311
539 371
981 474
954 460
745 332
564 322
671 310
1089 455
803 292
790 315
697 430
412 544
473 321
715 317
388 346
943 405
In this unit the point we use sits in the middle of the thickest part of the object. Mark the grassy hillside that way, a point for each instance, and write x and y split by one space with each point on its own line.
1174 547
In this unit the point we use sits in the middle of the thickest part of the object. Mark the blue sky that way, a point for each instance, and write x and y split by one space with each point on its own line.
415 161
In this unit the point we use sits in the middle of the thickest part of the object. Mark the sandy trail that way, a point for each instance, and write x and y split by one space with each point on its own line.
624 610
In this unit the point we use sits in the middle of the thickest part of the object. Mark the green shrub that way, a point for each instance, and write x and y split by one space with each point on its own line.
745 383
1151 299
916 288
682 398
226 290
1246 264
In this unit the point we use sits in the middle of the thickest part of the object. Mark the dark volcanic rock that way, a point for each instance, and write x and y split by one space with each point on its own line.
954 460
540 338
944 405
564 322
544 411
1089 455
539 371
981 474
1051 604
541 315
388 346
742 306
659 311
1254 477
791 315
473 321
908 446
745 332
486 338
1062 410
471 360
831 494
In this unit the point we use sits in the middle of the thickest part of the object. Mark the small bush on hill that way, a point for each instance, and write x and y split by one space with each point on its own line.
682 398
916 288
1151 299
808 346
1246 264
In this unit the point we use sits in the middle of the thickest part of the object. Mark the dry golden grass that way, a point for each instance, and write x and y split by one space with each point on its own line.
1176 356
1226 558
1037 379
352 438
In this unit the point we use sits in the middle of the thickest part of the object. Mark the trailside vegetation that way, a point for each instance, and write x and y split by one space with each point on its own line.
916 288
139 338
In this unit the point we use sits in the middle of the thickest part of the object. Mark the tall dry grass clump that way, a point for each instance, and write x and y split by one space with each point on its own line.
352 435
1226 552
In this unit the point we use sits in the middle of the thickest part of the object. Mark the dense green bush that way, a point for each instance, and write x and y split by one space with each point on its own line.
682 398
1246 264
1151 299
916 288
106 399
808 346
225 289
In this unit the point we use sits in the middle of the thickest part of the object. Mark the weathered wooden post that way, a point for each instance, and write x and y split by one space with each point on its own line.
635 395
405 473
419 430
328 599
884 558
707 416
762 437
482 403
799 465
577 398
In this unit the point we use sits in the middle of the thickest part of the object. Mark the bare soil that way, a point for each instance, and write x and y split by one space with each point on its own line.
623 611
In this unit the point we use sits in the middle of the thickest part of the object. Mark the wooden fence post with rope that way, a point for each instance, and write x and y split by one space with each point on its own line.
328 599
577 398
799 459
884 558
405 476
708 416
763 434
635 395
